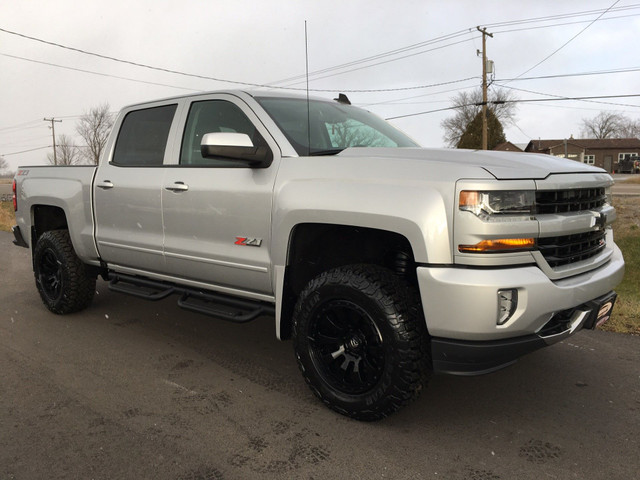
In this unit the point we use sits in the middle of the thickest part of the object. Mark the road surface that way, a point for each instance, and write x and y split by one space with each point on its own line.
131 389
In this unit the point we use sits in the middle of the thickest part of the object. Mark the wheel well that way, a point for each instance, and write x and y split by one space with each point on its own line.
315 248
46 218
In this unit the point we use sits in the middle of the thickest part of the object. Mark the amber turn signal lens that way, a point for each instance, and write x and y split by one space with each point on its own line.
499 245
469 198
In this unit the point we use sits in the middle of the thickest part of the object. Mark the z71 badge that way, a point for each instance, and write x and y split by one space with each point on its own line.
248 241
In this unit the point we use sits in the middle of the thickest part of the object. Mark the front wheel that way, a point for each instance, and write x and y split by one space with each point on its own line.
61 277
361 342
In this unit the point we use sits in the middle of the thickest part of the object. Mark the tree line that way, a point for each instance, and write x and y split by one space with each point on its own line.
464 128
610 125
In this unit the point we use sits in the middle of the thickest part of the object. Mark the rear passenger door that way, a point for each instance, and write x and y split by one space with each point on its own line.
217 212
127 190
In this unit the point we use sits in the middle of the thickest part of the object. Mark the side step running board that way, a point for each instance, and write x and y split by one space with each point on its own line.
216 305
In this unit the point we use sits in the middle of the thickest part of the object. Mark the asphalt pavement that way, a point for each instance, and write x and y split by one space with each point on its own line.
130 389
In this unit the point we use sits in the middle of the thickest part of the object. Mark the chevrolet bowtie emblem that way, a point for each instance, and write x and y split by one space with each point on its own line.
599 220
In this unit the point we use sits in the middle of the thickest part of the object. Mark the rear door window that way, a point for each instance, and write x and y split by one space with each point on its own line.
143 137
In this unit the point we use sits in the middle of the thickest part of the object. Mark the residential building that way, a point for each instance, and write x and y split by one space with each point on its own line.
604 153
507 147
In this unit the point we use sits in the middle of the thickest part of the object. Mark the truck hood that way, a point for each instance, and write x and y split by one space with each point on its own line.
502 165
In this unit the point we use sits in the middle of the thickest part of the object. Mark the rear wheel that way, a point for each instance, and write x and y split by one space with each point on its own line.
361 341
61 277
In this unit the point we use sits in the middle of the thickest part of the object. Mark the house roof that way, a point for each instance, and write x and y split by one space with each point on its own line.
586 143
507 147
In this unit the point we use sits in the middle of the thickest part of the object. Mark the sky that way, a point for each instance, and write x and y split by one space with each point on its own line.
397 59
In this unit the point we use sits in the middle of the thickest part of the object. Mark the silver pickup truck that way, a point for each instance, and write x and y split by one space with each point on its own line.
381 260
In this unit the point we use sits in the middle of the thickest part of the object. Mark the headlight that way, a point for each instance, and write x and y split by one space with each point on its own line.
497 203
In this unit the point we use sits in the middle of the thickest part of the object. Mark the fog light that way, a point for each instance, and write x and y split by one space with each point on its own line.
507 304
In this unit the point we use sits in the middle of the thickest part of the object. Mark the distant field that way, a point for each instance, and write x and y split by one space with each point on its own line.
634 179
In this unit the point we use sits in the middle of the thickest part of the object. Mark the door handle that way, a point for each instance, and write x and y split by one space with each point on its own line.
105 185
177 187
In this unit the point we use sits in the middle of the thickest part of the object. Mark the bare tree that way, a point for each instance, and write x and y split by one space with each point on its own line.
630 129
67 153
467 106
604 125
4 165
94 127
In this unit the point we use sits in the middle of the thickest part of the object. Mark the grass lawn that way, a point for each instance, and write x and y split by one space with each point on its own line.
626 314
634 180
7 218
626 231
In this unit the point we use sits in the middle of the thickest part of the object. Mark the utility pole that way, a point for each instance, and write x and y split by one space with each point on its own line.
53 130
484 86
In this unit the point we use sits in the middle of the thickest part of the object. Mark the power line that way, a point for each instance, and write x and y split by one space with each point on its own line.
568 41
96 73
21 125
177 72
128 62
565 75
460 33
532 100
397 89
21 143
25 151
375 57
562 16
466 31
521 131
325 70
371 58
387 61
524 29
563 97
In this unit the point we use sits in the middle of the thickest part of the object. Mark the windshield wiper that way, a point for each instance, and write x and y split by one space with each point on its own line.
333 151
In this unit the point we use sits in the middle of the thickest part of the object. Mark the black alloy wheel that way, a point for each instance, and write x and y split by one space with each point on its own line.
360 341
346 346
63 281
50 275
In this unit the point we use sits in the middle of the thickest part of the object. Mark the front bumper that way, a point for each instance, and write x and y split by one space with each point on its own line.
461 310
459 357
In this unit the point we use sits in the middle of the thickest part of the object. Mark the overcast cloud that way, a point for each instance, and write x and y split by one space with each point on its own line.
262 42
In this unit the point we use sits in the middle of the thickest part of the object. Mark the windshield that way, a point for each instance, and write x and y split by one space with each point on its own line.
334 126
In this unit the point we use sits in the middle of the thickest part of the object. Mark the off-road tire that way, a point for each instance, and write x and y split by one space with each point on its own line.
61 278
361 342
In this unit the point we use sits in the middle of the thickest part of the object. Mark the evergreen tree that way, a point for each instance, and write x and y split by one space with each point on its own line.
472 136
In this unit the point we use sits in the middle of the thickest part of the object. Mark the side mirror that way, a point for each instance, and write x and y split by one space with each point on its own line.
235 146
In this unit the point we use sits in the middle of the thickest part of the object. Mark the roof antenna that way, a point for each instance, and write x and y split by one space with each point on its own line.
306 54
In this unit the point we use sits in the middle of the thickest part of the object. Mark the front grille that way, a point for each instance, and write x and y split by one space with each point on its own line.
567 249
573 200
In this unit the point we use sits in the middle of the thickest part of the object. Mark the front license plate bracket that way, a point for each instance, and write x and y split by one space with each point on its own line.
601 309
